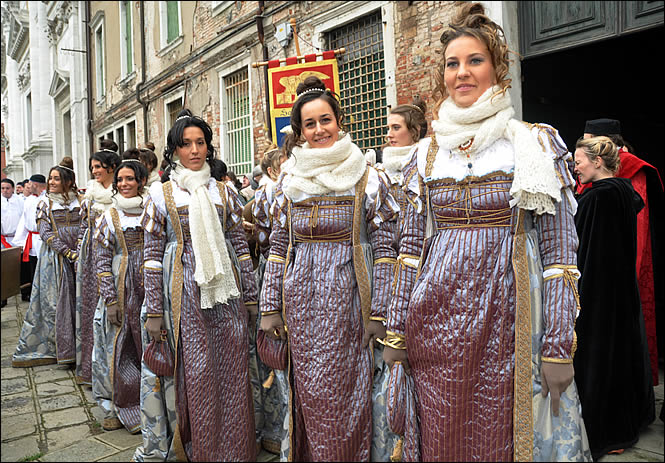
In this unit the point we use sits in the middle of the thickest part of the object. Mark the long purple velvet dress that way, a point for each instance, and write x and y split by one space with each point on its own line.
311 276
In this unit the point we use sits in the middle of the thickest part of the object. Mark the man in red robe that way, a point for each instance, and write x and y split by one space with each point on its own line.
648 184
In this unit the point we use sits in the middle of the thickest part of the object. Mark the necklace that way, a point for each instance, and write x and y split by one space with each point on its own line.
464 149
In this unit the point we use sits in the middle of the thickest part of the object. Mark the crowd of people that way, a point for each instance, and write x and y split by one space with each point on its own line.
484 278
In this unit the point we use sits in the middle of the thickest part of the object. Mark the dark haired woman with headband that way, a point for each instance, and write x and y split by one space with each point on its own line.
199 286
333 223
119 258
96 201
47 335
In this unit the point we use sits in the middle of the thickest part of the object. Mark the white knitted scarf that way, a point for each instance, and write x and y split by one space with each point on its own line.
60 198
317 171
133 205
535 185
154 177
213 272
100 196
394 159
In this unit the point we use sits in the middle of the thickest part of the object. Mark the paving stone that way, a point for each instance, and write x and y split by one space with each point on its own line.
651 439
66 417
9 373
8 315
9 335
85 450
633 454
18 426
6 324
120 438
14 385
125 455
17 404
266 456
7 350
59 387
87 393
52 375
59 402
65 437
98 414
19 449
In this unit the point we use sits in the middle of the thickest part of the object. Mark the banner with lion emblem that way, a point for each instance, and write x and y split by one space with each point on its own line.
283 81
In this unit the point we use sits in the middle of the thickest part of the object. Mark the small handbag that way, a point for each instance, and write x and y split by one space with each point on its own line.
273 353
158 356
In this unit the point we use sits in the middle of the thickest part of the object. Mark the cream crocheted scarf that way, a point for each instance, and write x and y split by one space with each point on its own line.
213 272
100 196
132 205
535 185
317 171
394 159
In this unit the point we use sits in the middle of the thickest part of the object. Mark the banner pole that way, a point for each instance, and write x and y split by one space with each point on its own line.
295 36
258 64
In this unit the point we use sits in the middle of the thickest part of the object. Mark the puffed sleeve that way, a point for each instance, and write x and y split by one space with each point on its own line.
261 213
558 241
271 291
153 221
381 217
104 258
236 235
46 232
412 236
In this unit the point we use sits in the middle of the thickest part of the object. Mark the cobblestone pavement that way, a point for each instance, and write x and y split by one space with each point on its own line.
46 416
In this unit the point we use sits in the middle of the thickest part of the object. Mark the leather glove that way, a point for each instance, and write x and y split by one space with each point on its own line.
555 378
391 356
153 326
113 314
375 330
273 326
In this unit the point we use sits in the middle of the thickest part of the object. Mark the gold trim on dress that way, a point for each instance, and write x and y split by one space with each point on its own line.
523 391
385 260
276 259
120 236
555 360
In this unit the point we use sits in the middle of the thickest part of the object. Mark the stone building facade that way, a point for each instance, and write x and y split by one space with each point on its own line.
143 61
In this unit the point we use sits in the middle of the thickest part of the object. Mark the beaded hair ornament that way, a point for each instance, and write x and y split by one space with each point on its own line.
65 167
108 150
315 89
130 160
414 107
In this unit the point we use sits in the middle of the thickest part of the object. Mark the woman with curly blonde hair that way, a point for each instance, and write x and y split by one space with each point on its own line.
484 309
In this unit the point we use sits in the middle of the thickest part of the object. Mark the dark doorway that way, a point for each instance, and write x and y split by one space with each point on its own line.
619 78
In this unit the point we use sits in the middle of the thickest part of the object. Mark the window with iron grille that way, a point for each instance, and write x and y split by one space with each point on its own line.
362 79
237 124
173 108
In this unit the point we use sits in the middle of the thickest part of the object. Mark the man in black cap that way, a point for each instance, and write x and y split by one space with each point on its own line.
648 184
27 232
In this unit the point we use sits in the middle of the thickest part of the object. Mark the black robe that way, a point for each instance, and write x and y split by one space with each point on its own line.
612 368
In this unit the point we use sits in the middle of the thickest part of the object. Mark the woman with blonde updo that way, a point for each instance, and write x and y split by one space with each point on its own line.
47 335
484 308
612 355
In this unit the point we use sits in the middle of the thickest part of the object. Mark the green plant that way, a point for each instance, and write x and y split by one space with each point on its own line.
34 457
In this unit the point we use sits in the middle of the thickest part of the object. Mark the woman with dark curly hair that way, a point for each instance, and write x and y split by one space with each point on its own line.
47 335
119 258
96 201
486 297
199 287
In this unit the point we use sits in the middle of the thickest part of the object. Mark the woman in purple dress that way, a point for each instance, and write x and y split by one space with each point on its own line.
119 258
47 335
333 222
199 286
